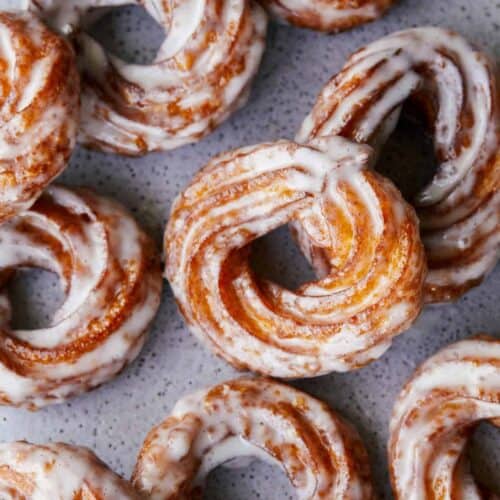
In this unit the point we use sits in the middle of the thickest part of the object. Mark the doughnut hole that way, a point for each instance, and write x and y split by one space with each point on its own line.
128 32
483 452
277 258
35 296
407 157
245 478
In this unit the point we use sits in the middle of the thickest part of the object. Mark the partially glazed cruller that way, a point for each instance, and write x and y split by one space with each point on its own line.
434 417
111 275
39 106
201 74
322 455
455 85
58 471
372 289
328 15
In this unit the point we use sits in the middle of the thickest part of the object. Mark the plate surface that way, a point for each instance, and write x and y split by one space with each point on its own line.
114 419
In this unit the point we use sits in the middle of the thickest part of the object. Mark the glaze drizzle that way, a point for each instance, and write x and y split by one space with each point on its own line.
435 415
39 107
372 286
201 74
322 455
110 272
459 210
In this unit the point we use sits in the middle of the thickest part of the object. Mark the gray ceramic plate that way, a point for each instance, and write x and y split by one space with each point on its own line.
114 419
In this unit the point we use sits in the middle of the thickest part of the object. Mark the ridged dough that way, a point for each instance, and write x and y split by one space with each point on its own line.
39 107
372 289
110 272
57 471
328 15
201 74
434 416
322 455
455 85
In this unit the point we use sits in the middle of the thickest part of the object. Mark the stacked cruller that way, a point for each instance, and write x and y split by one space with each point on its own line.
362 238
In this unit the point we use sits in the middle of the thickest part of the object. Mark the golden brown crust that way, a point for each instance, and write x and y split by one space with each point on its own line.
39 100
372 288
322 455
434 416
455 86
328 15
201 74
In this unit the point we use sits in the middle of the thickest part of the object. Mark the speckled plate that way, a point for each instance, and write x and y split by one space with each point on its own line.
114 419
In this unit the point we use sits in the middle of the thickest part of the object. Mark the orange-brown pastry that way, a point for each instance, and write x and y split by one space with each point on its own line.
455 85
327 15
111 275
434 416
371 292
58 471
39 106
201 74
322 455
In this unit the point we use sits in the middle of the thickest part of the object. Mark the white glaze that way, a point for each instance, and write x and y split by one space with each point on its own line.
264 419
462 83
398 55
453 390
317 328
57 472
164 105
38 123
106 244
330 15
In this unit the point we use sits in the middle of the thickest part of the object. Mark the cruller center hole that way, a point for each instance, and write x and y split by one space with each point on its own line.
128 32
277 258
257 480
485 459
35 295
408 156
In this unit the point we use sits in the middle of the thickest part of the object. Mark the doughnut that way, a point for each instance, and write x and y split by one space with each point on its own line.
201 74
321 454
58 471
455 86
39 107
434 416
327 15
111 275
371 292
